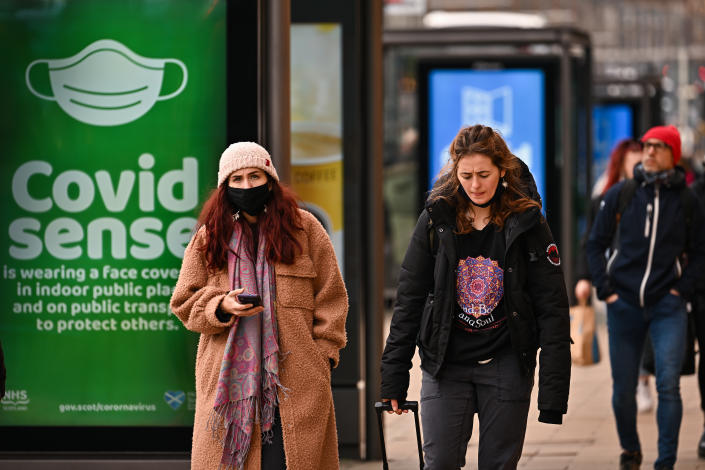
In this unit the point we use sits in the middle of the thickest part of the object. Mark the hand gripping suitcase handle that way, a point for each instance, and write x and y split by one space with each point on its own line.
381 406
387 406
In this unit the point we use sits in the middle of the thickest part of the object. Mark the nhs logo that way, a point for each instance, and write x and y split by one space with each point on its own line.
15 400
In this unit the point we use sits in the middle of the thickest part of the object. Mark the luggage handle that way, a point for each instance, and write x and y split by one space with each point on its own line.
387 406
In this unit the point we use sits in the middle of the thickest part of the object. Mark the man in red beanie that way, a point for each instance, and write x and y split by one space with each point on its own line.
646 225
662 148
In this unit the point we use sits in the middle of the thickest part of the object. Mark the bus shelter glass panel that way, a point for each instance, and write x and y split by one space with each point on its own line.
509 101
611 122
317 125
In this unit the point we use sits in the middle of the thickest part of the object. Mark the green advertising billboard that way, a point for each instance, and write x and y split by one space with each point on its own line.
113 117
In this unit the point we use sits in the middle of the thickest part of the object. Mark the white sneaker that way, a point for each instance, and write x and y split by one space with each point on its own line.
644 402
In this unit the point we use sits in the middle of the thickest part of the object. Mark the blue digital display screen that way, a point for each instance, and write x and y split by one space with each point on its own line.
610 124
511 101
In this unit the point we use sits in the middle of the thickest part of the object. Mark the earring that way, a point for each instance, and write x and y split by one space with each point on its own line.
265 208
236 216
504 183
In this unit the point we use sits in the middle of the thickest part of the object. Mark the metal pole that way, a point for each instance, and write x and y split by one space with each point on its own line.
275 114
567 160
374 308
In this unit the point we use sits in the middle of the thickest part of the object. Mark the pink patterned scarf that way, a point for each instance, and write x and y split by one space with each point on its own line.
249 373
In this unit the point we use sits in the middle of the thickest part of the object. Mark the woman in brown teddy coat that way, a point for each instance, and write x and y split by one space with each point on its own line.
263 367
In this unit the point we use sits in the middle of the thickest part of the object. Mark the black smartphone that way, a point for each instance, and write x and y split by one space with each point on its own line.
253 299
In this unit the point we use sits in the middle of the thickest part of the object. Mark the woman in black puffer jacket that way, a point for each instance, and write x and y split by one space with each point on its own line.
480 291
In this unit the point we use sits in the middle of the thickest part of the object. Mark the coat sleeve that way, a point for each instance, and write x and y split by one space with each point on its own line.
695 251
600 239
330 296
415 283
546 287
194 301
581 263
699 190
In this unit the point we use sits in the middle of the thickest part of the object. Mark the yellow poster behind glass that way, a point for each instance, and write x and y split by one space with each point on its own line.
316 124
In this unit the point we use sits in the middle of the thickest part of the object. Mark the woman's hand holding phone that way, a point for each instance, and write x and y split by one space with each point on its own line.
231 304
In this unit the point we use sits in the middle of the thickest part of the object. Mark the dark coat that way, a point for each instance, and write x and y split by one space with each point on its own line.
643 269
535 300
698 188
582 270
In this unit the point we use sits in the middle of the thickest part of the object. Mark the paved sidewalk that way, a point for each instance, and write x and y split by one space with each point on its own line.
586 440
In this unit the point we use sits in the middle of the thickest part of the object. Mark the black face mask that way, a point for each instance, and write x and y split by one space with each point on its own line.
251 200
497 193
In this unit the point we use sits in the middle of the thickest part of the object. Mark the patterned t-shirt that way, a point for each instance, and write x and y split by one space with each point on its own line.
480 322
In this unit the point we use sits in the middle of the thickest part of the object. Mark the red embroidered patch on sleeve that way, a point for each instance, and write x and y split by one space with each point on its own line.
552 255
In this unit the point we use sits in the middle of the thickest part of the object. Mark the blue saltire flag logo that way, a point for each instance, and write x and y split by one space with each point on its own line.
174 398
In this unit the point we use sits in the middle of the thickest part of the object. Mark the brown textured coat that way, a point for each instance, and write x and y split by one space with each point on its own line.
311 307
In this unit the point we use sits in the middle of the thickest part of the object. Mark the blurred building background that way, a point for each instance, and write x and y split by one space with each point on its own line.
641 50
339 91
630 39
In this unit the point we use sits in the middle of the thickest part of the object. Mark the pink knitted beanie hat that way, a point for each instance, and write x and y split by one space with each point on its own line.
245 155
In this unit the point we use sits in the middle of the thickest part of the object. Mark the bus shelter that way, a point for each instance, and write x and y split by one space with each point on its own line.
533 85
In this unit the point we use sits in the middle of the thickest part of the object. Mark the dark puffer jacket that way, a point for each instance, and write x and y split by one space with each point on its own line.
698 188
652 237
535 300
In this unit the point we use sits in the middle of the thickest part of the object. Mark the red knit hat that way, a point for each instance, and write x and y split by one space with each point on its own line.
669 135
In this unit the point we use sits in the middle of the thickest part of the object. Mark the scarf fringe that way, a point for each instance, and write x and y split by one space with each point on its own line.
249 375
280 388
232 412
267 437
283 355
236 438
237 418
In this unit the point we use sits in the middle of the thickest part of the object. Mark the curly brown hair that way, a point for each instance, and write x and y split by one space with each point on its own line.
485 141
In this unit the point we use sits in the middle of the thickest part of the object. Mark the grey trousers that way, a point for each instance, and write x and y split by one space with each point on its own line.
497 391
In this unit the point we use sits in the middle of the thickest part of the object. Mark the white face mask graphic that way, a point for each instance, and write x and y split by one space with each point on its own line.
106 84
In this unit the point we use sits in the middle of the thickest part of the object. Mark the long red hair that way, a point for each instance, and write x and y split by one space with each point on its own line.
278 225
615 171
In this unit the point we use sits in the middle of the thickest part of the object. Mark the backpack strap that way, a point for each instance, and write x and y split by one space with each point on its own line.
626 193
625 196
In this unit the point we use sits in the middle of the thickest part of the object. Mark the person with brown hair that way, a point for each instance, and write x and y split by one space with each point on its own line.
261 284
480 290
